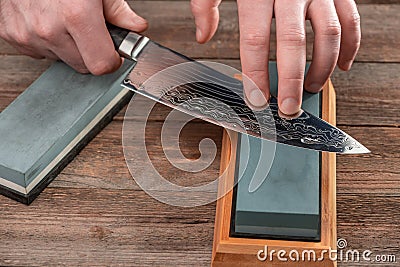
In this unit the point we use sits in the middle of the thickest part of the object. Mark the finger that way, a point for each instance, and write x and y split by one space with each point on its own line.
351 32
206 16
255 18
68 52
93 40
327 31
119 13
291 53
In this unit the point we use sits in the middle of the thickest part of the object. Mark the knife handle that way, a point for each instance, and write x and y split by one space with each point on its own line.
117 34
128 44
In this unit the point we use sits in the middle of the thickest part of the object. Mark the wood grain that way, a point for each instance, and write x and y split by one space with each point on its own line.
373 173
95 214
369 88
98 227
96 211
16 74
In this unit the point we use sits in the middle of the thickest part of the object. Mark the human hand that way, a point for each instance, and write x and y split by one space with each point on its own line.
336 24
71 30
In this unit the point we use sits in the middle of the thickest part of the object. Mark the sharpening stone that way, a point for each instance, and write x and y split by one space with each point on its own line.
50 122
287 204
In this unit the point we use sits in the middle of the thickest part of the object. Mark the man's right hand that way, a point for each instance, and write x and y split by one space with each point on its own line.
71 30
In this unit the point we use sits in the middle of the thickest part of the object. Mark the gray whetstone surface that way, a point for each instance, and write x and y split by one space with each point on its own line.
291 187
60 108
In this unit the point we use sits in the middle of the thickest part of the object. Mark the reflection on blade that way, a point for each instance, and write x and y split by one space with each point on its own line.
218 98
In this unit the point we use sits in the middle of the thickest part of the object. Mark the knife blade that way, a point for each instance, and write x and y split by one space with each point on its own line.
200 91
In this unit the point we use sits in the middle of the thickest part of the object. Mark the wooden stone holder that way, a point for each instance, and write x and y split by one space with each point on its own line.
234 251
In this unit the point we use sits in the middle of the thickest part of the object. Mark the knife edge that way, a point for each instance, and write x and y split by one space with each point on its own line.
151 58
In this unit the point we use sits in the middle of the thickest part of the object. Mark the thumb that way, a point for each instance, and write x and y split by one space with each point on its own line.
206 16
119 13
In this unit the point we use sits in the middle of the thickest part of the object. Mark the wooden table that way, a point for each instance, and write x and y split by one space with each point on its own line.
94 213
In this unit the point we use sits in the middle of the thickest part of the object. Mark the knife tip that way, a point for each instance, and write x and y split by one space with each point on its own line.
358 149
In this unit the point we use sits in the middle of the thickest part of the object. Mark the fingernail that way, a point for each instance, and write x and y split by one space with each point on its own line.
257 98
348 64
314 87
199 34
289 106
140 20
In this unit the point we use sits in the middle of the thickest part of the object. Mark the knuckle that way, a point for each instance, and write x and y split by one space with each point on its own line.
101 67
254 39
215 3
354 20
81 69
74 16
23 38
294 37
353 44
46 33
293 79
197 7
333 29
254 74
352 26
117 7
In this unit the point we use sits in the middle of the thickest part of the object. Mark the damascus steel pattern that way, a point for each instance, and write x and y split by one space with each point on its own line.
205 93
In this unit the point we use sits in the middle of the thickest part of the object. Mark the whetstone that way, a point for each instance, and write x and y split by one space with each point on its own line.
50 122
287 203
238 241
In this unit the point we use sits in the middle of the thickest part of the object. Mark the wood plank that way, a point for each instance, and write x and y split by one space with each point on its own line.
95 214
377 172
357 96
103 227
373 173
104 155
16 74
367 95
368 221
126 227
171 24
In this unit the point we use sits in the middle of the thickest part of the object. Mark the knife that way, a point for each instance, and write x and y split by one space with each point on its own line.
200 91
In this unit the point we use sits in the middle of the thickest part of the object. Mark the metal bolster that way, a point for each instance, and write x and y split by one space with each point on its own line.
132 45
